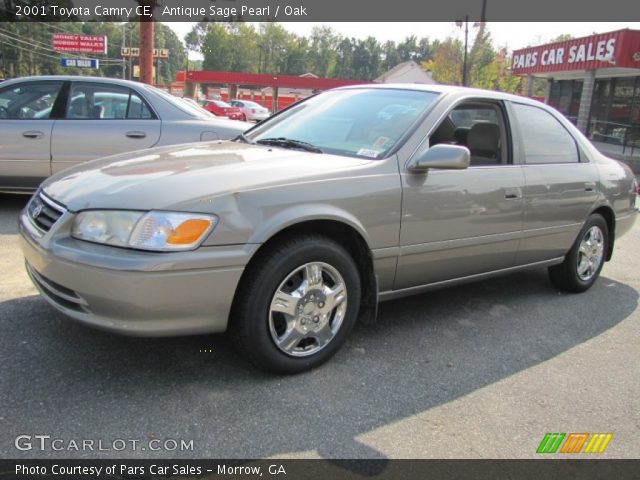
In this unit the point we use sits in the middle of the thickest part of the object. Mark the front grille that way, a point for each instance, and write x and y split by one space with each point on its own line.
44 212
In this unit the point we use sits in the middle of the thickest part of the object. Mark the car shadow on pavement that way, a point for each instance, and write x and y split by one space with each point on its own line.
64 379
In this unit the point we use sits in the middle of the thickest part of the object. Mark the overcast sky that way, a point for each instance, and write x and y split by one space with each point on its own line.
513 35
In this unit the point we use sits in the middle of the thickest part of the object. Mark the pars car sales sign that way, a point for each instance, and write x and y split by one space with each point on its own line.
606 50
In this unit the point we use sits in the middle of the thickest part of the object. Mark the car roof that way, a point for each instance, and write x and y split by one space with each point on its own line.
77 78
449 90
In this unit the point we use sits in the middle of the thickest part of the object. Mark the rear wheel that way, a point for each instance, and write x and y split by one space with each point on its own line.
583 263
296 305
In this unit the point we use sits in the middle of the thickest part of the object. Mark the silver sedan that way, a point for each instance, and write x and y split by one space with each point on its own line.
50 123
289 234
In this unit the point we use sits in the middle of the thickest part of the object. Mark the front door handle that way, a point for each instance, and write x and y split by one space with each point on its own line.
33 134
512 193
136 134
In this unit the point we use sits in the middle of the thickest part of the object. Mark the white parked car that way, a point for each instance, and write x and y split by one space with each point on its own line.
251 111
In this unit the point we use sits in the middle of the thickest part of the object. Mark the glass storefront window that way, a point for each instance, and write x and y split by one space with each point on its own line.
614 110
565 97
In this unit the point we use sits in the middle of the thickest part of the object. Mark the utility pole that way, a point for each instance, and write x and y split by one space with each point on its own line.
466 47
465 24
146 45
124 62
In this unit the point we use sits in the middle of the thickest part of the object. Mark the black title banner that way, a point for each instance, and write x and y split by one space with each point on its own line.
320 469
317 10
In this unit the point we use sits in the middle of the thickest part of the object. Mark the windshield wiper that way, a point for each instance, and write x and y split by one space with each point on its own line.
289 143
244 139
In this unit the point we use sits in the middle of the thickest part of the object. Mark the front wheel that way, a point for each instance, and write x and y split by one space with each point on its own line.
296 304
583 263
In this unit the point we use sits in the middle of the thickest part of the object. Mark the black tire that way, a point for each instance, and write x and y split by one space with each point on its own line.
566 276
252 322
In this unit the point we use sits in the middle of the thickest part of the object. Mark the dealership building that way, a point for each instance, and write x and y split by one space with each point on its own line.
594 81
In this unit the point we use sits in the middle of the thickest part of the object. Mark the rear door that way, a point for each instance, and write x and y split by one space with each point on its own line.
26 123
561 185
101 120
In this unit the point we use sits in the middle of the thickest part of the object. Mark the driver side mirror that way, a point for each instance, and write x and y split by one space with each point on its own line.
441 156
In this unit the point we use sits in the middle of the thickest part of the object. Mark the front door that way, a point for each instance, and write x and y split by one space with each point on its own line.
458 223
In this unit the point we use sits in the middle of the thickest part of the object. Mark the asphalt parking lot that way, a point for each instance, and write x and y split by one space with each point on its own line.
477 371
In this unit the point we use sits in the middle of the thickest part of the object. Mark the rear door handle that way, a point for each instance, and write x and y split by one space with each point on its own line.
590 186
512 193
136 134
33 134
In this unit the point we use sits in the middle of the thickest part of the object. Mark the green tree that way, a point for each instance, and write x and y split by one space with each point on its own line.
481 55
344 58
217 48
446 64
322 51
194 40
273 42
391 56
297 55
244 51
367 59
408 49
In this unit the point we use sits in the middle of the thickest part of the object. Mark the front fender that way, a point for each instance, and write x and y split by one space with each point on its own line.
304 213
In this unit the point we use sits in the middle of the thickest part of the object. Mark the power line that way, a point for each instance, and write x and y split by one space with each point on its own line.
9 32
28 49
12 36
57 58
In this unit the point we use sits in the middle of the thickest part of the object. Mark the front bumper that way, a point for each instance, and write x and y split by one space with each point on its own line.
133 292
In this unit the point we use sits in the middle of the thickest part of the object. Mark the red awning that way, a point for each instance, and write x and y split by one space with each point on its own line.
268 80
619 49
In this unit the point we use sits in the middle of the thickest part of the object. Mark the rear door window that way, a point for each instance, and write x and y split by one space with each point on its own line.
544 138
105 102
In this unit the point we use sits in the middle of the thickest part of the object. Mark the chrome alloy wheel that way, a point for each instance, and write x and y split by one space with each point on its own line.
307 309
590 253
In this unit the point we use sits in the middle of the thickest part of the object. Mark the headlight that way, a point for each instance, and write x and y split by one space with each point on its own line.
157 231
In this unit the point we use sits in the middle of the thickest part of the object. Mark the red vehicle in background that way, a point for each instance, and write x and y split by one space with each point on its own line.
222 109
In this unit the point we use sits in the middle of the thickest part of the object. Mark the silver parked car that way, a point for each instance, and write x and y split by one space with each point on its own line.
50 123
293 231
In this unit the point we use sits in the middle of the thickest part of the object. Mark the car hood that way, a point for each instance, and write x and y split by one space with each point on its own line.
188 176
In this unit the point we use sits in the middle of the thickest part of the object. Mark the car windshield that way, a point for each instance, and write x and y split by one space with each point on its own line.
222 104
356 122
